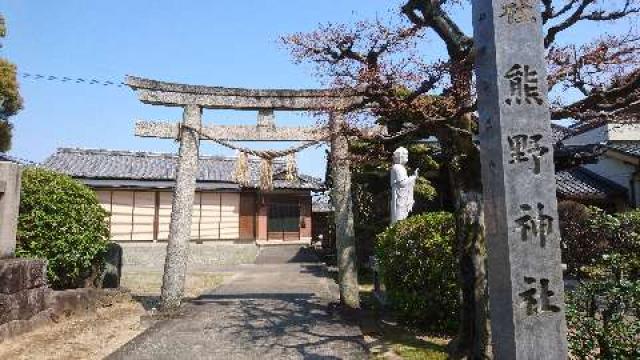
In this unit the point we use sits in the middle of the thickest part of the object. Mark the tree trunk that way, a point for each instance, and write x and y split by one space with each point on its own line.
463 159
343 214
474 333
175 266
473 340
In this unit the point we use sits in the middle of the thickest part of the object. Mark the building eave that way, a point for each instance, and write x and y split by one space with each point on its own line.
152 184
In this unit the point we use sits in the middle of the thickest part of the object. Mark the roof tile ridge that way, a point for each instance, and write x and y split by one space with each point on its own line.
139 153
598 177
116 152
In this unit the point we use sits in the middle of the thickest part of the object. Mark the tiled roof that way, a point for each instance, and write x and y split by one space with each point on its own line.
13 159
128 165
631 148
560 132
583 127
321 203
582 184
5 157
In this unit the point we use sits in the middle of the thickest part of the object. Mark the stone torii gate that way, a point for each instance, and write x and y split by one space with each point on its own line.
193 99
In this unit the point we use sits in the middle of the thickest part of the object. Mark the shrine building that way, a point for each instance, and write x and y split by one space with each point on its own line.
136 188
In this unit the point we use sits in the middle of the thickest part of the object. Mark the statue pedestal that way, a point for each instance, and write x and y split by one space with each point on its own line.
379 290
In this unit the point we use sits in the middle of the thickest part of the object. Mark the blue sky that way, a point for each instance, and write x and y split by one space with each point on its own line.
222 43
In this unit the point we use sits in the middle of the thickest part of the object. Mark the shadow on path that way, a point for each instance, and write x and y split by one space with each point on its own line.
250 326
281 254
271 311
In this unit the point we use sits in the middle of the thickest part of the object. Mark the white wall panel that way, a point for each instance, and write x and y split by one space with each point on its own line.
195 217
215 215
230 216
210 216
164 215
121 215
104 198
143 215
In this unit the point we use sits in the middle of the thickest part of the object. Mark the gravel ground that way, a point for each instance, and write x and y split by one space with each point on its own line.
99 334
88 337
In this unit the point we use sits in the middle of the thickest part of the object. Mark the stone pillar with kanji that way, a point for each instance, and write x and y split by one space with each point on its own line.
521 220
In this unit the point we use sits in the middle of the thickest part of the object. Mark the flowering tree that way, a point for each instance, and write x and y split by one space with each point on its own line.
10 100
420 91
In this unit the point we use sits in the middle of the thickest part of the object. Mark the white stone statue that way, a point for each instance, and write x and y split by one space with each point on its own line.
401 186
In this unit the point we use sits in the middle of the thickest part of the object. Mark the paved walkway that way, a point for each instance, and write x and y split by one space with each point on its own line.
275 309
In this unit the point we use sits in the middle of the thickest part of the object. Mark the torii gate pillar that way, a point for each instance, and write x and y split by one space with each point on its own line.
343 213
175 265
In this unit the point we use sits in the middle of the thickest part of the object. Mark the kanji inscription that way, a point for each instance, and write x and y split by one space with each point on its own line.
519 11
526 148
535 224
523 85
538 299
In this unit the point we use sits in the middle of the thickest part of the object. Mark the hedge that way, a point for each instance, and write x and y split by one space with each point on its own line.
61 220
604 320
595 243
418 264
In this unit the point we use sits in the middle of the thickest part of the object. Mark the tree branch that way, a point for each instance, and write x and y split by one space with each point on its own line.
427 13
579 12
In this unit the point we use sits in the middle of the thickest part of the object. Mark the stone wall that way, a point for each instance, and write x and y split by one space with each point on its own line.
24 294
23 289
26 301
152 256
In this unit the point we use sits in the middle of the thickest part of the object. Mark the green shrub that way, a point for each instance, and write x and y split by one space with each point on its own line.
625 253
417 260
584 239
597 244
61 220
603 320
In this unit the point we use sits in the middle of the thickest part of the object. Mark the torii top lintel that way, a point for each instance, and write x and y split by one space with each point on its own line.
213 97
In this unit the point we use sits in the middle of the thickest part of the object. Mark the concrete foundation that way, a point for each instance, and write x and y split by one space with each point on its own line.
152 256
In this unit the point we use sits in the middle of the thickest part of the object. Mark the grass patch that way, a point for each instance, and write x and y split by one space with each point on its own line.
368 301
414 348
393 341
390 340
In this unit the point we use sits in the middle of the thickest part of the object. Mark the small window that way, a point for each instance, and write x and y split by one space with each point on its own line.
283 218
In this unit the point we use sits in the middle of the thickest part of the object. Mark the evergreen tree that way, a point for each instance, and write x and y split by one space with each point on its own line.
10 100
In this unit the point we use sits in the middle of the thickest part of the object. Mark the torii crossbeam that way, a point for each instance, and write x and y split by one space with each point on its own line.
171 130
263 131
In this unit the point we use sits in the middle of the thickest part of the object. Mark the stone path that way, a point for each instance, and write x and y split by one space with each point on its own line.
275 309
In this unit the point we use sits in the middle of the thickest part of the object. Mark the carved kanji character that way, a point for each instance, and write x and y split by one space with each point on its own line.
523 85
535 225
525 147
518 11
537 300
